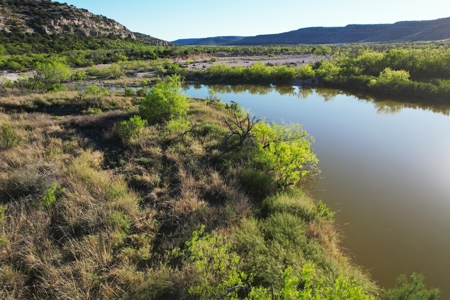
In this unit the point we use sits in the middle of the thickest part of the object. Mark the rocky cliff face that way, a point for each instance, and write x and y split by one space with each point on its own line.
401 31
49 18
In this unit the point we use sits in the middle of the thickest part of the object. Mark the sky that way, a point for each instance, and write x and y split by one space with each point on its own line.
176 19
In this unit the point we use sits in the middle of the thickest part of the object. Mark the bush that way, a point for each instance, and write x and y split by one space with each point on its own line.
51 194
165 101
286 151
50 74
411 290
142 92
79 75
126 130
8 138
213 263
129 92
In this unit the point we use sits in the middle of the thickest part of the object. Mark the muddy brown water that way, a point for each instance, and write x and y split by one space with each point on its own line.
385 172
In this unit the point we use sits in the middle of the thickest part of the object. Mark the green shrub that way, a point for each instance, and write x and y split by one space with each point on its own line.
129 92
213 59
50 195
214 264
165 101
142 92
8 138
312 288
50 74
284 150
126 130
79 75
411 290
2 217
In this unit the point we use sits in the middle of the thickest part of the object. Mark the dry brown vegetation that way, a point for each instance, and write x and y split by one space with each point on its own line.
88 218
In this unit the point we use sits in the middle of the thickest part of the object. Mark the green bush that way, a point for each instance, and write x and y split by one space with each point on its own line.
126 130
214 264
142 92
79 75
285 151
50 74
8 138
410 290
165 101
129 92
50 195
343 288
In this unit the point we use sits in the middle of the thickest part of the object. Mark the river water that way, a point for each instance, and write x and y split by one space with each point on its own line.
385 172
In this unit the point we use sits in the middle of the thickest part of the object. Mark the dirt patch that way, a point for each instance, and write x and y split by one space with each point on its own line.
246 61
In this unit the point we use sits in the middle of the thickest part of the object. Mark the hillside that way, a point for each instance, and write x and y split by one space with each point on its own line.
218 40
398 32
22 19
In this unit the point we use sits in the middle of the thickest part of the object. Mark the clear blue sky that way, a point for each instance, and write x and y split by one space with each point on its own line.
174 19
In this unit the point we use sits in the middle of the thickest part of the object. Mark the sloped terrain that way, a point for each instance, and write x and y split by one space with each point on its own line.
218 40
47 18
401 31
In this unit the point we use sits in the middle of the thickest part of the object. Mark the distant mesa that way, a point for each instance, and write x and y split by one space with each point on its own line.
218 40
404 31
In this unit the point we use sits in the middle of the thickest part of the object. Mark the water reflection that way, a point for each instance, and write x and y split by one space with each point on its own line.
383 104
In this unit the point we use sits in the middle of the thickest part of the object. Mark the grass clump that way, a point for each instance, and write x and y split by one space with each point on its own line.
9 138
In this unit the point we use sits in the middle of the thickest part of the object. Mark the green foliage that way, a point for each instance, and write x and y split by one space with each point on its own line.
213 59
50 74
390 79
410 290
312 288
9 138
2 217
112 72
165 101
94 94
129 92
2 212
121 221
142 92
214 263
286 151
328 71
127 130
177 125
79 75
51 194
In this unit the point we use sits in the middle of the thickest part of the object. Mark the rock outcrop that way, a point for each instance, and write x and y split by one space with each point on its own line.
52 18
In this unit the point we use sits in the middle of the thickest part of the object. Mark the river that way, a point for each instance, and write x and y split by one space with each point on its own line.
385 172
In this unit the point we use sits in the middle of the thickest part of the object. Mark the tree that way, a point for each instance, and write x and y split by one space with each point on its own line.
286 151
165 101
51 74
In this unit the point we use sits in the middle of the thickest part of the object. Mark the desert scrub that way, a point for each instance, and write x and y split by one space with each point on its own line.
127 130
8 137
165 101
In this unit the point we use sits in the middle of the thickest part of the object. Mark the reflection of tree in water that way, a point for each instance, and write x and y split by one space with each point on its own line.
285 90
241 88
305 92
389 105
383 104
328 94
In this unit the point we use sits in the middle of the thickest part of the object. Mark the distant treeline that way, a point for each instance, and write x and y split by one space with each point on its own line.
412 72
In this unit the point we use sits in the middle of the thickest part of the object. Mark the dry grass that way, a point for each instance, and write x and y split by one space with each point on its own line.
120 212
